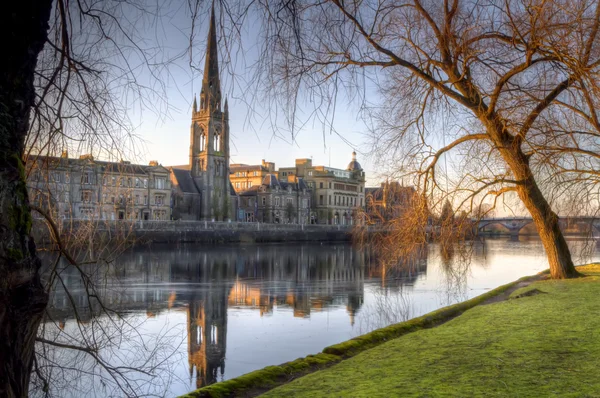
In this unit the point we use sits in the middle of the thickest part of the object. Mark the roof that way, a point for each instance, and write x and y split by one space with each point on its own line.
184 180
110 167
393 188
354 166
271 181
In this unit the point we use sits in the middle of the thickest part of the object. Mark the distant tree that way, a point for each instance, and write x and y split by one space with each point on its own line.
447 214
483 210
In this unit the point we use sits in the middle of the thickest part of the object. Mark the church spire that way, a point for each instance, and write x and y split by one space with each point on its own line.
195 105
211 85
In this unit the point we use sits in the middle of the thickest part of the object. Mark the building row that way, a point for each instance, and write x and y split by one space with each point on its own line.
207 187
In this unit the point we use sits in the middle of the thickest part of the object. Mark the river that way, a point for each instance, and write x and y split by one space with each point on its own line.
192 315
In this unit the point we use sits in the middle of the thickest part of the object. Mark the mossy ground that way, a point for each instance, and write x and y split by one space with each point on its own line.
536 345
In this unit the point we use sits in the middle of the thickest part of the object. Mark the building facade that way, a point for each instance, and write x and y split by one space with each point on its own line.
88 189
275 201
337 195
244 176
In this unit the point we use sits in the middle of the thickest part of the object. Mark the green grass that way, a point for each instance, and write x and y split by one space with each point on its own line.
272 376
540 345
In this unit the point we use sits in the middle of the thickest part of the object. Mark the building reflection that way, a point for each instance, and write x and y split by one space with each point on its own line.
301 279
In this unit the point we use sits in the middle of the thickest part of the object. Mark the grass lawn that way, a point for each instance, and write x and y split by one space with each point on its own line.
542 345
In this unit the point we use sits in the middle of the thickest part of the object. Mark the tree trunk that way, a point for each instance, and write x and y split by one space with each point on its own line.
23 27
545 220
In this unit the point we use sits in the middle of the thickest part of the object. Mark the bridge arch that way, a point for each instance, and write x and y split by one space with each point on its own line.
514 226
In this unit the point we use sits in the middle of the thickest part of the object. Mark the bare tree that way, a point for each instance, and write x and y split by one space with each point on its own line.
479 99
70 73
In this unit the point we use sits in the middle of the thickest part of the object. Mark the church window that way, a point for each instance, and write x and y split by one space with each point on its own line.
217 143
202 141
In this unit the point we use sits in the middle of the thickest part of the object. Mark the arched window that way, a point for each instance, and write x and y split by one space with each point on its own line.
217 142
202 140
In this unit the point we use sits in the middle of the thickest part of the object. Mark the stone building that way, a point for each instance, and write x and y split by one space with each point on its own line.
275 201
202 190
336 194
388 201
85 188
244 176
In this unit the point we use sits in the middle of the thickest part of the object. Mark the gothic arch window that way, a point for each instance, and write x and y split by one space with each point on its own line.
202 140
217 142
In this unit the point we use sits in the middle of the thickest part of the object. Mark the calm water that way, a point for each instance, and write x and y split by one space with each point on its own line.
196 315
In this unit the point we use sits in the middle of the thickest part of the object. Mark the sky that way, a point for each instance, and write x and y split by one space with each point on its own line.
165 134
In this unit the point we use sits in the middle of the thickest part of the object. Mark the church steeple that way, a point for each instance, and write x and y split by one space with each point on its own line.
210 98
195 105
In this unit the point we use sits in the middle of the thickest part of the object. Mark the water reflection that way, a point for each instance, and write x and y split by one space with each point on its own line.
252 306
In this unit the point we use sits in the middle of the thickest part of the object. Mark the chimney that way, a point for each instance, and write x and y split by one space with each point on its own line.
153 163
64 154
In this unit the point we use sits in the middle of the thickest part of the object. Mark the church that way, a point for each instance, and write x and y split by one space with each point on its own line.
201 189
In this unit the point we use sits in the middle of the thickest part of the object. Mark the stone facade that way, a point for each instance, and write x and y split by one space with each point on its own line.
337 195
88 189
275 201
244 176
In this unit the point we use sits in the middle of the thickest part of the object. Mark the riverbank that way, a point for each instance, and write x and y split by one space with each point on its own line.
259 381
543 340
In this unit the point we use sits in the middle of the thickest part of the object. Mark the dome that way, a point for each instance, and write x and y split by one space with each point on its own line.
354 165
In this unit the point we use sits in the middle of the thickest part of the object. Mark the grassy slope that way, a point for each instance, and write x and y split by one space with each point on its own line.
542 345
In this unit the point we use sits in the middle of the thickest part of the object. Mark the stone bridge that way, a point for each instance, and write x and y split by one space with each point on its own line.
516 224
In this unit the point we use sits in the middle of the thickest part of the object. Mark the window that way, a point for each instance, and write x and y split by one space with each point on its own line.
264 201
321 199
329 199
85 178
277 201
159 183
137 182
320 185
129 182
67 197
249 184
237 174
86 196
361 188
290 201
304 203
361 202
112 199
104 198
329 185
158 200
237 184
145 183
137 199
310 173
67 178
255 174
145 199
104 180
114 181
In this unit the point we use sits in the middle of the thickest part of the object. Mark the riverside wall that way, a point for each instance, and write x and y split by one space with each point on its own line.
192 231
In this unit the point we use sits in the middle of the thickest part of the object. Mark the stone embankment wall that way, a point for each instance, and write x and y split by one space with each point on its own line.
193 231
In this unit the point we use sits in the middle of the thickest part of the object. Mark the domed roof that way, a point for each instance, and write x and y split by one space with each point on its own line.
354 165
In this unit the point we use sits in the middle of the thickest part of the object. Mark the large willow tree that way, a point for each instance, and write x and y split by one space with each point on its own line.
506 91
